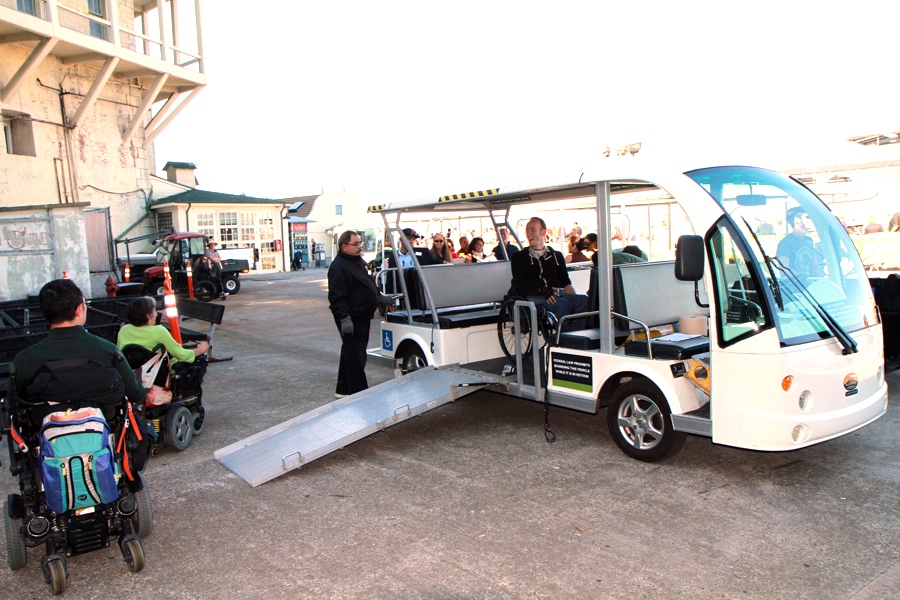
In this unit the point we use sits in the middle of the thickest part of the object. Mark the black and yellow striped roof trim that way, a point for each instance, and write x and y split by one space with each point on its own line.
468 195
376 207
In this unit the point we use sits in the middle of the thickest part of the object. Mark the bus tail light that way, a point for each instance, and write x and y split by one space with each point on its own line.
787 382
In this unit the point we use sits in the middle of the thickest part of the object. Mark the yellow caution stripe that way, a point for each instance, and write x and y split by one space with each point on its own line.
467 195
376 207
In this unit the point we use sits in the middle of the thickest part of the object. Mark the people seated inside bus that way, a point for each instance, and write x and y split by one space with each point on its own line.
576 250
476 250
439 248
510 247
143 331
590 244
463 246
404 260
796 250
453 253
65 309
540 275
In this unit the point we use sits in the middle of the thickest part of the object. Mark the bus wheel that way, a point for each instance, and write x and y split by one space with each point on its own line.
412 359
640 422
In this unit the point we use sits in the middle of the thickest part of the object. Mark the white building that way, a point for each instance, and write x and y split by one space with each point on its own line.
85 88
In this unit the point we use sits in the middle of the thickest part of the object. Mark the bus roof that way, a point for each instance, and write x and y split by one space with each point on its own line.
493 199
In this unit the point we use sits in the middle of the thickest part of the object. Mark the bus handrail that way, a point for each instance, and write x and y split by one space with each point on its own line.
642 324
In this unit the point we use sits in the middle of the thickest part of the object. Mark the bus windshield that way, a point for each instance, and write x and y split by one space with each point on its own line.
815 284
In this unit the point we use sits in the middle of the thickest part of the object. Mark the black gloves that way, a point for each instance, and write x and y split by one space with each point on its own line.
346 325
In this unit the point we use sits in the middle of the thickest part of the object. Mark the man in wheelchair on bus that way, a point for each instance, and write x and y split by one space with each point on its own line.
540 275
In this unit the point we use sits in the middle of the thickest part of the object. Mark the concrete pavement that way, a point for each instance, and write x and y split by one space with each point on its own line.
469 501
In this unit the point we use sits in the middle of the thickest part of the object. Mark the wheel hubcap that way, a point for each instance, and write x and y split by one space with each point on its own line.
640 422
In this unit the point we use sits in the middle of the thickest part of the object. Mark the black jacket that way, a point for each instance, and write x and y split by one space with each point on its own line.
537 276
350 289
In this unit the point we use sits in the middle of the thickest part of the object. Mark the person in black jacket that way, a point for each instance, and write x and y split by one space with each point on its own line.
352 298
540 275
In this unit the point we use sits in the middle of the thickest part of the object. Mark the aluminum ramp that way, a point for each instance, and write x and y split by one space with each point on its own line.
290 445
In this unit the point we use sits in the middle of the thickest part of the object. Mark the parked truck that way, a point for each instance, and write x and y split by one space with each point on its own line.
181 249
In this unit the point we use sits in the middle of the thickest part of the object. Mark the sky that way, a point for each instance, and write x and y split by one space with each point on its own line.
397 100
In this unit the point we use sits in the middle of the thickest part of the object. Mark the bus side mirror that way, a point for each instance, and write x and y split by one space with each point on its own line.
689 258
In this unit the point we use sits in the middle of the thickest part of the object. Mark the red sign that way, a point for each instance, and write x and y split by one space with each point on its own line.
298 226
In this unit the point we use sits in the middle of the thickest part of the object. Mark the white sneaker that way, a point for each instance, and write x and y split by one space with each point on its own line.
339 396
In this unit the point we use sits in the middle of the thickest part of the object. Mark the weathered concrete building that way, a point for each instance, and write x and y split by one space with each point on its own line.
85 88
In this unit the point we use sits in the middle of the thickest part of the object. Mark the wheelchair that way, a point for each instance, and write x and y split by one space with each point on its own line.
177 422
88 521
547 326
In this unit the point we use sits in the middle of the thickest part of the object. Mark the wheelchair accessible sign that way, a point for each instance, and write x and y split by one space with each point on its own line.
387 340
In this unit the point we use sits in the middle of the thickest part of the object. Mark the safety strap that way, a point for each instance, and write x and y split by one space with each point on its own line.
121 446
23 447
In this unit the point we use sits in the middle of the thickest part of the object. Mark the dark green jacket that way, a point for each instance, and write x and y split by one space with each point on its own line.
74 342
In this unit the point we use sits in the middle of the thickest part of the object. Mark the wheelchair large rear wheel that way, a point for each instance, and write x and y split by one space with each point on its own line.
16 552
142 519
204 291
506 329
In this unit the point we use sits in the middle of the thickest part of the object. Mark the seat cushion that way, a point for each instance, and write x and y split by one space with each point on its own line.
581 339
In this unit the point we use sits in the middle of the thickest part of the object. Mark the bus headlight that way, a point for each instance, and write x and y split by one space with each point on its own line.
800 433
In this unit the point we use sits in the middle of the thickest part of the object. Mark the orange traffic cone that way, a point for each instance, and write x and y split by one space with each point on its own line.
171 308
190 278
65 275
127 273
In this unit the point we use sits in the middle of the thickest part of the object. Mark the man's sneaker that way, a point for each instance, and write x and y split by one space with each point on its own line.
339 396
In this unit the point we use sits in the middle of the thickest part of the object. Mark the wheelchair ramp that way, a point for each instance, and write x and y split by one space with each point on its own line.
288 446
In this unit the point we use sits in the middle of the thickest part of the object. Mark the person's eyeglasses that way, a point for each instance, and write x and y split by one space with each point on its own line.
354 243
438 241
85 303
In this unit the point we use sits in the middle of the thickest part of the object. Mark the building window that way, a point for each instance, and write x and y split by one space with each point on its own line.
338 209
97 8
27 6
17 133
228 218
164 222
266 218
267 255
248 219
228 234
248 234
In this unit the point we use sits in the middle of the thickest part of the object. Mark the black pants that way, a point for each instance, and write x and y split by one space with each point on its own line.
352 370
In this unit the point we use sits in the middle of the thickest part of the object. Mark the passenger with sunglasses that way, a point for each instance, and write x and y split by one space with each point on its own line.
439 248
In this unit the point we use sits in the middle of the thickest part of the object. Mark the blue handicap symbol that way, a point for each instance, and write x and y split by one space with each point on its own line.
387 341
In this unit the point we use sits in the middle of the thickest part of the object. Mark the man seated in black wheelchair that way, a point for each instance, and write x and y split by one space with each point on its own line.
540 275
72 384
203 273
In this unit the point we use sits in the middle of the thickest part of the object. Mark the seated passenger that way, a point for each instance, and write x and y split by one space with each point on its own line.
439 248
576 250
65 309
476 250
404 259
143 331
539 274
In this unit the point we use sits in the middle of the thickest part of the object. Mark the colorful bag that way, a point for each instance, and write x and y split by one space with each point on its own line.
78 466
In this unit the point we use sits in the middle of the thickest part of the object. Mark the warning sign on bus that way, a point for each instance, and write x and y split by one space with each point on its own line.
571 371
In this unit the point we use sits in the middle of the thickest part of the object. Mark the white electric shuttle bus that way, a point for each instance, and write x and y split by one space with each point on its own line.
777 344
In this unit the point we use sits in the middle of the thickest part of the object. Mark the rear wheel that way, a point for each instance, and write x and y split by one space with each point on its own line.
640 422
204 290
232 285
16 553
199 419
142 519
412 359
506 329
180 428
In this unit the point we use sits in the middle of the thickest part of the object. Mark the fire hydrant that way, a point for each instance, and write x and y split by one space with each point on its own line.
111 287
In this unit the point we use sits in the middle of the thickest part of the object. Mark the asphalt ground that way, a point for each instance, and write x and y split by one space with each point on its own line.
470 501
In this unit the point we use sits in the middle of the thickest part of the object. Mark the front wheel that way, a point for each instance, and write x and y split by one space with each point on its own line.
640 422
133 553
232 285
157 288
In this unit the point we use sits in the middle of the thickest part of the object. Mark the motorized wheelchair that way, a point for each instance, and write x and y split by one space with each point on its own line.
88 519
177 422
